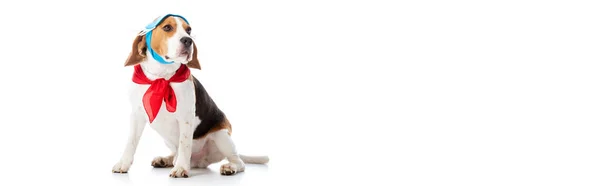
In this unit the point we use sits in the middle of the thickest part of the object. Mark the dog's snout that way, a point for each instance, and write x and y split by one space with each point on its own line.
187 41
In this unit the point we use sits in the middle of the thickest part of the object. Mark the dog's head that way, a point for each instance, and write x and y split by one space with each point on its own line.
169 40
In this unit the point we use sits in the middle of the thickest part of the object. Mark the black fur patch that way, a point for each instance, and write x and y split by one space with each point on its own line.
206 109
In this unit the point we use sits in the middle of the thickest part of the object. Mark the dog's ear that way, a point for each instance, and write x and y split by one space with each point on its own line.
138 51
194 63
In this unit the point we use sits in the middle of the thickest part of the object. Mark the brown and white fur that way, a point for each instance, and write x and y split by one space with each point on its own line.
198 132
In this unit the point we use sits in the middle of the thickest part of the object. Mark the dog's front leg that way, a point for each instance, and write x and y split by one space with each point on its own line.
184 149
137 124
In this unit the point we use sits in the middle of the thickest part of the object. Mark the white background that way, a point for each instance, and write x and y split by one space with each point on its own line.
335 92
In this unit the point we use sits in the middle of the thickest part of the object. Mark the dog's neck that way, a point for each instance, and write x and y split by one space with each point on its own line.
155 70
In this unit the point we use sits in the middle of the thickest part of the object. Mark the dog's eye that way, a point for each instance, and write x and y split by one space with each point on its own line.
188 30
167 28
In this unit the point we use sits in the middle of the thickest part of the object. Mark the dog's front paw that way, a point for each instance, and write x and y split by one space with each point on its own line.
121 167
231 169
161 162
179 172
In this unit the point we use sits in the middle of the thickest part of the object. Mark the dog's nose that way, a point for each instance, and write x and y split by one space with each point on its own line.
187 41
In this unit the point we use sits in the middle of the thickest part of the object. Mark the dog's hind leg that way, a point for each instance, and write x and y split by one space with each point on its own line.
165 161
210 154
227 148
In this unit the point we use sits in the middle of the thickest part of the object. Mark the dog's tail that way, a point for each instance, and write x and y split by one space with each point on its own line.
254 159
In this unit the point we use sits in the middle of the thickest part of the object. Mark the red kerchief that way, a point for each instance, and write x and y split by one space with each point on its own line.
159 90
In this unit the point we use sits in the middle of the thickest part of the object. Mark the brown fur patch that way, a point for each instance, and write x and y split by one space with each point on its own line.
194 63
138 51
223 125
160 36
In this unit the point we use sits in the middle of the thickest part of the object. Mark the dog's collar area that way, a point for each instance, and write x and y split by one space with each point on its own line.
148 32
150 72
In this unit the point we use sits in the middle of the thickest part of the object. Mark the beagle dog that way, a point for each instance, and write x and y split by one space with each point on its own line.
175 104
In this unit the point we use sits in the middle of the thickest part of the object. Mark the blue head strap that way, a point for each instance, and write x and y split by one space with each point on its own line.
148 32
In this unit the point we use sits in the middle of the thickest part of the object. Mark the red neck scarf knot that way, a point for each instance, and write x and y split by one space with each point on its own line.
160 90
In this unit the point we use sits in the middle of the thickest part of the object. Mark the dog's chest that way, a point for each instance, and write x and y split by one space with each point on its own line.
166 123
